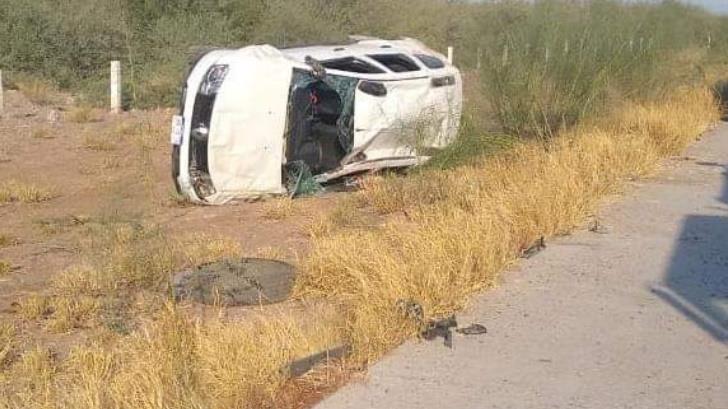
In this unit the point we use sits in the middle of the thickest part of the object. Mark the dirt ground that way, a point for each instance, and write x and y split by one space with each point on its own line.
111 166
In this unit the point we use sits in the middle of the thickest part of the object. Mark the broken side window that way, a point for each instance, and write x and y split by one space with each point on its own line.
320 120
351 64
430 61
396 62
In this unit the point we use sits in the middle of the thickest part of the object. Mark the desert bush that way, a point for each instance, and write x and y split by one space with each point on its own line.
71 44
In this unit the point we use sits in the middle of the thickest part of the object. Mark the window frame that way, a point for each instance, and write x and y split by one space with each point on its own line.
381 59
374 69
423 58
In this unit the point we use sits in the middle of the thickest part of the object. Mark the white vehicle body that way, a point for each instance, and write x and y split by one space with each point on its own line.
247 114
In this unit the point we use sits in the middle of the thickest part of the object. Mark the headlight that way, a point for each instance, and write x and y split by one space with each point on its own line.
213 79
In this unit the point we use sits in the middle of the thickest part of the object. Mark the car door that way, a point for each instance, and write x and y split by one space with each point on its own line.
413 113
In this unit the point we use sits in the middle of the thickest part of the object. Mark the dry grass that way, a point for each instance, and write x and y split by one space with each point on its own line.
173 363
33 307
130 255
278 209
38 91
83 114
124 275
99 141
72 312
273 253
462 227
347 214
42 133
5 268
8 240
15 191
7 342
33 373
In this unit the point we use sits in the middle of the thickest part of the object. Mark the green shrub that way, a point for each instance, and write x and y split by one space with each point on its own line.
595 51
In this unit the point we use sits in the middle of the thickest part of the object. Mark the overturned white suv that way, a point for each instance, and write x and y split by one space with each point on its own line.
248 115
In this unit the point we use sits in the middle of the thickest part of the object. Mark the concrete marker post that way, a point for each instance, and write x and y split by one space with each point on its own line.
449 55
115 87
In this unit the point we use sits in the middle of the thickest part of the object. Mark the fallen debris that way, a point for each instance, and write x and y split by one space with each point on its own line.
441 328
473 329
534 249
595 226
301 366
412 310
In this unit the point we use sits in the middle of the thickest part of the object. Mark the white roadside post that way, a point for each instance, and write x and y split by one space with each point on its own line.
2 101
115 87
450 55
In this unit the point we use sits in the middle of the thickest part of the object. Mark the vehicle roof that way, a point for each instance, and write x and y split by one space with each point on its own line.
361 48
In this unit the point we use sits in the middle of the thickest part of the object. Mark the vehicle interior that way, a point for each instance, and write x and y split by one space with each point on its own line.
320 120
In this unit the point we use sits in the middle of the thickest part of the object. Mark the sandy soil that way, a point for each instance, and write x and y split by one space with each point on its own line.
40 145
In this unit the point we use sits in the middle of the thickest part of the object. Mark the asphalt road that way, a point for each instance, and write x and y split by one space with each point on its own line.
633 317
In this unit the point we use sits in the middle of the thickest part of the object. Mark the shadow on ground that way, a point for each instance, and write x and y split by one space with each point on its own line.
696 282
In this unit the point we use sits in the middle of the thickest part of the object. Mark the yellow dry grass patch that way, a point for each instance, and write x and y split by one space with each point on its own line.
7 240
33 307
33 373
465 225
7 341
42 133
99 141
5 267
83 114
132 256
72 312
16 191
126 264
38 91
172 363
278 209
273 253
